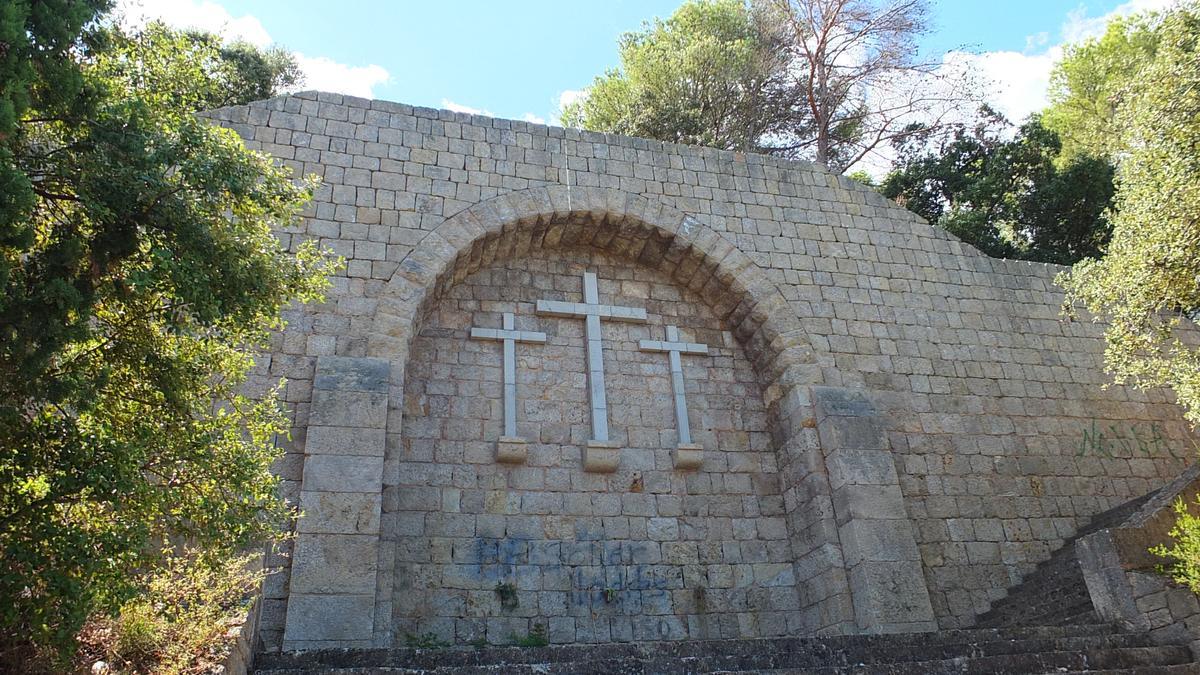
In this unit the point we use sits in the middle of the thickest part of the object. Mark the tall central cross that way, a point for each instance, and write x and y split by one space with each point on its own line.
592 312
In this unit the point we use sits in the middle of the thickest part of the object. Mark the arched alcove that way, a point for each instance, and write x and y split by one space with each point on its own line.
838 491
690 255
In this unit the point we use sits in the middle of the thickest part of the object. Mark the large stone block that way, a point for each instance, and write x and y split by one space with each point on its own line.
344 473
860 433
339 512
838 401
878 540
860 467
341 408
878 502
335 564
345 373
889 594
316 619
335 440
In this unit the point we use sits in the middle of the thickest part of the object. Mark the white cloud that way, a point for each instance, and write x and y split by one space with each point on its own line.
1017 84
324 74
204 15
568 96
1079 26
534 119
320 72
1037 40
460 108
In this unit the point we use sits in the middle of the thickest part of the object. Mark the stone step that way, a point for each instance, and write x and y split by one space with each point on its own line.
1178 669
379 657
1055 592
971 651
1142 660
1078 611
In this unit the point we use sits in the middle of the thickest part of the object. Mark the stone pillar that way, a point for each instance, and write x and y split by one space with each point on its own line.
824 591
331 601
887 584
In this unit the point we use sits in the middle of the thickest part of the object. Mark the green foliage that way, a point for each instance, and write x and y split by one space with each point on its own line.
1089 83
137 269
179 624
1006 194
536 638
863 177
1185 550
1148 284
506 592
705 76
196 68
424 641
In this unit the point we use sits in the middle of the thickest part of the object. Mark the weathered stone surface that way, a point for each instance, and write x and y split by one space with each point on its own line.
878 540
317 620
338 440
342 408
339 513
836 401
344 473
335 564
895 597
853 433
860 467
601 456
868 502
688 457
342 373
511 450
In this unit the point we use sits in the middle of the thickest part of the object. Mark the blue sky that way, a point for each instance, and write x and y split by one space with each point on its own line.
520 59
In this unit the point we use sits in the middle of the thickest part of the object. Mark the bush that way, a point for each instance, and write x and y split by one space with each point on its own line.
1185 552
181 625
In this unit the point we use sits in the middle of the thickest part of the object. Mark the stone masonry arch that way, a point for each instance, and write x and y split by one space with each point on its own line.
650 232
828 441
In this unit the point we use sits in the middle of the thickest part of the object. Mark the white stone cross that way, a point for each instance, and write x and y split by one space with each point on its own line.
592 311
687 454
509 337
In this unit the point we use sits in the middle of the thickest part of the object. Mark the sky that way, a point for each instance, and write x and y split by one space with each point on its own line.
522 59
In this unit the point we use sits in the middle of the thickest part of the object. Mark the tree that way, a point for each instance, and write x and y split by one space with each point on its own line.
857 74
226 74
1004 193
137 270
705 76
244 72
1147 287
1088 84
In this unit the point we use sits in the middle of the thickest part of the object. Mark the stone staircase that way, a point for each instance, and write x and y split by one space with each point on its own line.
1095 648
1054 593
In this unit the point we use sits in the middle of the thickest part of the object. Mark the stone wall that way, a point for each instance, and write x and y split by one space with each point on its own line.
993 408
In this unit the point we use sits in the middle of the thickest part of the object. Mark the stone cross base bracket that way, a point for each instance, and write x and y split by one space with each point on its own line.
601 456
512 450
688 456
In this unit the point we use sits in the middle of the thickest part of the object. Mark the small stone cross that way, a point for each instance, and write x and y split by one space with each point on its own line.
510 448
600 454
687 454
